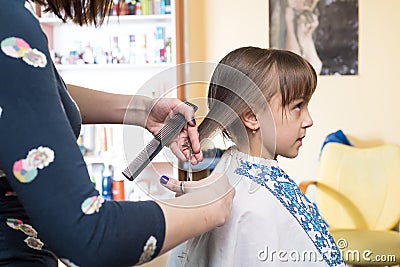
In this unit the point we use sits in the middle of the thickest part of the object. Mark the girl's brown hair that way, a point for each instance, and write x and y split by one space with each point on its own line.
248 77
79 11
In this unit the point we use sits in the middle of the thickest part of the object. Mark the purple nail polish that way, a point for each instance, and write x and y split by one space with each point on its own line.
164 179
193 120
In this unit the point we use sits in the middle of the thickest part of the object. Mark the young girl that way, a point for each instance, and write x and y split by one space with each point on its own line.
259 99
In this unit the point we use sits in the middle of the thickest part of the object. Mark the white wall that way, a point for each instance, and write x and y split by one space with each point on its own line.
366 107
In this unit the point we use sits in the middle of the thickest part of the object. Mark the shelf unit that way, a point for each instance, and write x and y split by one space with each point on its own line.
68 41
144 78
116 67
112 19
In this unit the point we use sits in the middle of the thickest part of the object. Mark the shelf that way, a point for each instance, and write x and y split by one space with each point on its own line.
83 67
54 21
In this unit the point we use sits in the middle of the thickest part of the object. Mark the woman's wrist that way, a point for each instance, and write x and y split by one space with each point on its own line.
138 110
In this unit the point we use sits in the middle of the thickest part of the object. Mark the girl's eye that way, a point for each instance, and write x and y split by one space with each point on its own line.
298 105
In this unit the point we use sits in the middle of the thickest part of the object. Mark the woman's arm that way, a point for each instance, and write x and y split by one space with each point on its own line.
101 107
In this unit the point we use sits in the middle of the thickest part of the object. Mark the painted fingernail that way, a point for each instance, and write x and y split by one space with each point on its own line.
164 179
193 120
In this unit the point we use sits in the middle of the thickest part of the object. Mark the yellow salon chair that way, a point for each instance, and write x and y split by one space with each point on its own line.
358 194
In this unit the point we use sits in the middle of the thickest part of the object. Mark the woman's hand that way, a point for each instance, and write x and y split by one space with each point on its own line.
215 191
164 108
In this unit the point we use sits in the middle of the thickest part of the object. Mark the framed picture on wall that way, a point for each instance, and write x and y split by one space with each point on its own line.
325 32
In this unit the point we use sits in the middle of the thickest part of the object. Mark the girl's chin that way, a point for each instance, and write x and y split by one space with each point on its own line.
291 154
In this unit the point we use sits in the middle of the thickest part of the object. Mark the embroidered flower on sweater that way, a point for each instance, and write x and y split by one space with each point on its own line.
25 170
34 243
148 250
35 58
40 157
18 48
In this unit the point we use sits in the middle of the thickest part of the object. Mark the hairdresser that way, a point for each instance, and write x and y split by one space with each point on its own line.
49 209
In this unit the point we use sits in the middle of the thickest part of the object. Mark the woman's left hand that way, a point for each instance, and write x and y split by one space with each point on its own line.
164 108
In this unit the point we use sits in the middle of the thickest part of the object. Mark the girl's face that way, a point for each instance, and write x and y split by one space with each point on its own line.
291 123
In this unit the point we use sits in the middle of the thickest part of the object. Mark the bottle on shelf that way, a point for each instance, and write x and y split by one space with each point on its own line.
163 7
80 144
131 7
141 48
138 8
159 36
123 8
168 50
106 183
87 54
118 187
114 10
145 7
167 6
117 56
132 49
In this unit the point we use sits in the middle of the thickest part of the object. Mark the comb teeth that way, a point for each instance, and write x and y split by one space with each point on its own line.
170 129
143 159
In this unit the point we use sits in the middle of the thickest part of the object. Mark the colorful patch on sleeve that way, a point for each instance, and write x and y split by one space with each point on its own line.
148 250
14 223
25 170
92 204
18 48
21 226
14 47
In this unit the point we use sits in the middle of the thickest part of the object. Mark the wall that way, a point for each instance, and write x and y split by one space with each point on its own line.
366 107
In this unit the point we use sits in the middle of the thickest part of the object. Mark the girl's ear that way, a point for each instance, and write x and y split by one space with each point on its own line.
249 119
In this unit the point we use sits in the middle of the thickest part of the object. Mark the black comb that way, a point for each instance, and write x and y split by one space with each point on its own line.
171 128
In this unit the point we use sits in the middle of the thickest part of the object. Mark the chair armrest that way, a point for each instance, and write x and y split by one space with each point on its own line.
304 185
341 201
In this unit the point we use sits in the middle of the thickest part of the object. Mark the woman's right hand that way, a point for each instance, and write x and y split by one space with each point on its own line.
213 192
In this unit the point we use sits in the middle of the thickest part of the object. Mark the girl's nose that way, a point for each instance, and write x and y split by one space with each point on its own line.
308 121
